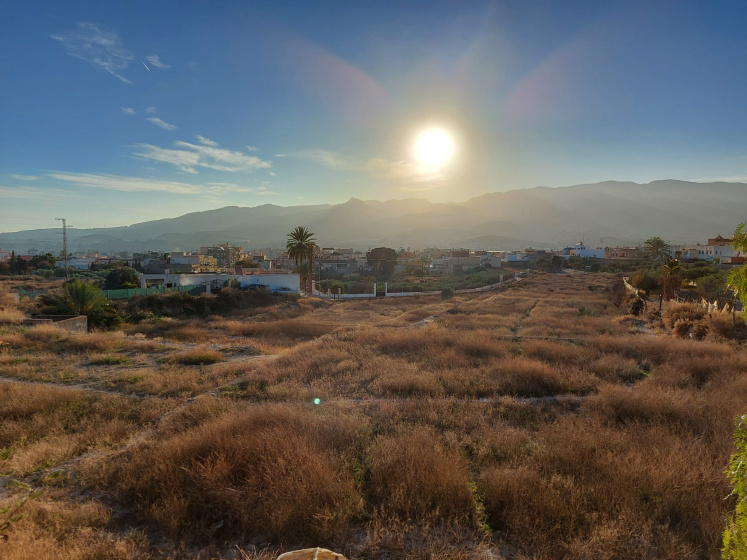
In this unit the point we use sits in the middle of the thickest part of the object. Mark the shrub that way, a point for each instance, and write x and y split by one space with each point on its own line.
274 471
735 534
682 328
197 357
414 478
447 293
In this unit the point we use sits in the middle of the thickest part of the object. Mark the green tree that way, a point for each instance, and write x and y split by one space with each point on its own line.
121 277
656 248
382 259
301 247
735 534
737 279
556 263
670 278
82 298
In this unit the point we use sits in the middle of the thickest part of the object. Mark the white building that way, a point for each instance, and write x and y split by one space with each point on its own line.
273 280
5 255
584 251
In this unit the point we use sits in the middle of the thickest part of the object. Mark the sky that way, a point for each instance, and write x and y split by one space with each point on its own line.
113 113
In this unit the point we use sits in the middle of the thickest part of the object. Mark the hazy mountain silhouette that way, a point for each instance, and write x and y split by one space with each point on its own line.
608 213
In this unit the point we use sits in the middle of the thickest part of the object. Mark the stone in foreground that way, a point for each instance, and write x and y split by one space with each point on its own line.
311 554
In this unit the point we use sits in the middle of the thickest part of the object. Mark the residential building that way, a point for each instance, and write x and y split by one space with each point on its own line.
625 253
5 255
584 251
226 254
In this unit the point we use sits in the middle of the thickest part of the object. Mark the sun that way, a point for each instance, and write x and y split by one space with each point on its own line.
434 147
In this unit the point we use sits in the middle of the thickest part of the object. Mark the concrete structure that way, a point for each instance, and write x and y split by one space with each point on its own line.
225 254
72 323
717 249
625 253
584 251
272 280
5 255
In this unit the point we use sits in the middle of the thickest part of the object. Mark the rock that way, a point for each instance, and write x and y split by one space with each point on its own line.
311 554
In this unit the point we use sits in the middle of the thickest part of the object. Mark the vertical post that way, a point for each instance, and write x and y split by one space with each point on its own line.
386 285
374 292
313 286
64 247
339 293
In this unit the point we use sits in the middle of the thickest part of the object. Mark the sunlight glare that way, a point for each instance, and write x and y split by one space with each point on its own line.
434 147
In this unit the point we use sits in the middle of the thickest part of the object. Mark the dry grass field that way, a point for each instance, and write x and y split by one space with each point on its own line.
536 422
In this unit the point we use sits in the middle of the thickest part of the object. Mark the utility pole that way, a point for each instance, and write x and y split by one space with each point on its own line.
64 246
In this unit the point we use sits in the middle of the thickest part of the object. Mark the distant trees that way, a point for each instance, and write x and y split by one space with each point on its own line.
737 279
656 248
382 259
301 247
121 277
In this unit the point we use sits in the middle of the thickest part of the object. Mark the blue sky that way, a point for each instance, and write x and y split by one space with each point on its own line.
113 113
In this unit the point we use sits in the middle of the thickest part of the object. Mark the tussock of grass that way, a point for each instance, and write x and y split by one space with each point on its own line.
196 357
110 360
277 471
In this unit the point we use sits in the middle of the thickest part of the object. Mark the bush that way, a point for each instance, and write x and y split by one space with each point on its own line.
645 280
735 534
447 293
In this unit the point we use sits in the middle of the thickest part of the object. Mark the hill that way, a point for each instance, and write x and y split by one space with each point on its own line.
605 213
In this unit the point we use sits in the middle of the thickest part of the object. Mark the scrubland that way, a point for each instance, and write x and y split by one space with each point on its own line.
536 422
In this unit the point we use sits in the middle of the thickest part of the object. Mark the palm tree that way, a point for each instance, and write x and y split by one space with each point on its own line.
302 247
657 248
82 298
671 278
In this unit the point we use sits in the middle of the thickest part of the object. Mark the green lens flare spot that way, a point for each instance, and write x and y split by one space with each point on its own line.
317 401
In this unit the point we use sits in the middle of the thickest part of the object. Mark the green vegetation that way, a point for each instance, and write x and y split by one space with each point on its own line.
735 534
301 247
738 277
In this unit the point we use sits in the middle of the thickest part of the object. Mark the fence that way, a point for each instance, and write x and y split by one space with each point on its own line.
487 288
128 293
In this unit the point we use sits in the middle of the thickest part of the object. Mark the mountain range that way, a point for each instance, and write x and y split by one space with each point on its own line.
602 214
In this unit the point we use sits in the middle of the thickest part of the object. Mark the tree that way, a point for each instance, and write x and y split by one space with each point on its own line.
122 277
82 298
671 278
737 279
382 259
657 248
301 246
556 263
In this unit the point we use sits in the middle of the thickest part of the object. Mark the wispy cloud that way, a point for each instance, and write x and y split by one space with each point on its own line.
251 148
34 193
401 171
137 184
205 141
128 110
156 62
272 174
280 155
150 109
98 46
188 157
163 124
25 177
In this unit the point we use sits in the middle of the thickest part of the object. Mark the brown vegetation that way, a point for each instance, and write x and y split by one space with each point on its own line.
534 422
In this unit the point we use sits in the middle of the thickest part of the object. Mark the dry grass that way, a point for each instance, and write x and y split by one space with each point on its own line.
277 471
199 356
43 426
426 432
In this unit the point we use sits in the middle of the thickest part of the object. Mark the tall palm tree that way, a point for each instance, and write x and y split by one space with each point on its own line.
302 247
657 248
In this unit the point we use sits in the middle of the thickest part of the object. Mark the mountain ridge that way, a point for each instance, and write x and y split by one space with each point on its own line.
678 211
